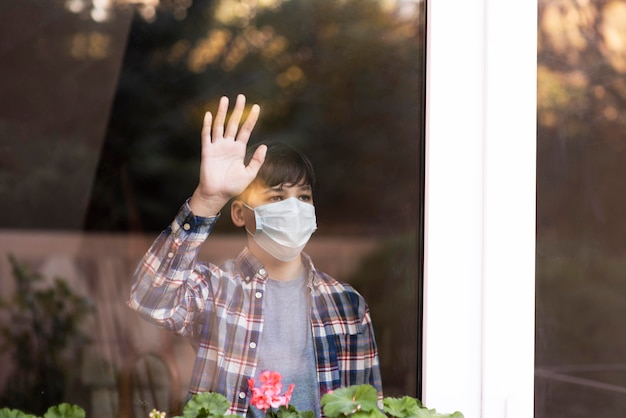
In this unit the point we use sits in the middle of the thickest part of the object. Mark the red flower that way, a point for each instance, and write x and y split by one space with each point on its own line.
288 394
268 395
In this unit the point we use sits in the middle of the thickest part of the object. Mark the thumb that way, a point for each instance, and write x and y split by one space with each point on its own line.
257 160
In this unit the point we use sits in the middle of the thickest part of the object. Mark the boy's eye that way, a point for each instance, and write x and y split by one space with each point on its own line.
276 198
305 197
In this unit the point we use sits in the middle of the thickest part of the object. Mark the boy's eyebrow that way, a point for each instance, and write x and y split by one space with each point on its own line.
279 188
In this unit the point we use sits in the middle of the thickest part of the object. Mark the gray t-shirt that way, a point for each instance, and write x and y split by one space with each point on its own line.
286 343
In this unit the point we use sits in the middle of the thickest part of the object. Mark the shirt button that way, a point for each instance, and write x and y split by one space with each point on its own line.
258 295
242 395
262 271
186 227
252 344
170 255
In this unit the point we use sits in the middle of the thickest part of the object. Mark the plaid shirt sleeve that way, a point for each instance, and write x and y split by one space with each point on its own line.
167 289
220 307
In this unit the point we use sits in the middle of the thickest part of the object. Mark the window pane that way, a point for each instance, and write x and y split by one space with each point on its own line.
100 118
580 222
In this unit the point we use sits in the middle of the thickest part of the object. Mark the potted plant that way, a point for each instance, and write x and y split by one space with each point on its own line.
361 401
358 401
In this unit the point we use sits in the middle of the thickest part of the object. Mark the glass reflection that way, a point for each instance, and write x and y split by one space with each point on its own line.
580 227
102 104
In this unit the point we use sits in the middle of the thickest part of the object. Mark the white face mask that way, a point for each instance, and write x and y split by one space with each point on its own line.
283 228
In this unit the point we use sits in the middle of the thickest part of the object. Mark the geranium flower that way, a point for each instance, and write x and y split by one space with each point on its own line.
269 379
268 394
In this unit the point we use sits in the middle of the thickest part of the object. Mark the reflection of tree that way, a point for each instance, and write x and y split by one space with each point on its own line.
42 334
580 206
386 278
342 80
581 141
103 10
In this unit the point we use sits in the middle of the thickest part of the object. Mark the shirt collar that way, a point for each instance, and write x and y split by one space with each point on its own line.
251 267
310 268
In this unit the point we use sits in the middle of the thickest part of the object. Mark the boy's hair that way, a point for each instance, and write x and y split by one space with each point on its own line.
284 165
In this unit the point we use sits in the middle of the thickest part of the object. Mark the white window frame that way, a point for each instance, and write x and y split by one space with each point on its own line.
479 261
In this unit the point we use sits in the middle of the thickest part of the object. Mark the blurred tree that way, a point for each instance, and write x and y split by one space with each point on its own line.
581 122
41 331
581 146
386 278
341 80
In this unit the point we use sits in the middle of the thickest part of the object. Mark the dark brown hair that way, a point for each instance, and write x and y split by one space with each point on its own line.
284 165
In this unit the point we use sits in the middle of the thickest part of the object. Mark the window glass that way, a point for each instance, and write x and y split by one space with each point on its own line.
580 266
100 118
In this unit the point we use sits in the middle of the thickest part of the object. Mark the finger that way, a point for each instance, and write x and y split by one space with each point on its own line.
248 125
235 117
257 160
220 117
206 128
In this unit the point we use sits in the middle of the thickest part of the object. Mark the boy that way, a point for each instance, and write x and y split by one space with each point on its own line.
268 309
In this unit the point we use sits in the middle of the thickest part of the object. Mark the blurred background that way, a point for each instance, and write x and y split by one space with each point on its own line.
100 112
100 115
581 228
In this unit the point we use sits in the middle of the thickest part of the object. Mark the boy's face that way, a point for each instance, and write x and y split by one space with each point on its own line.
258 193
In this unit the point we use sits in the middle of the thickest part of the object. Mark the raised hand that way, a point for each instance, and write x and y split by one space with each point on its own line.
223 173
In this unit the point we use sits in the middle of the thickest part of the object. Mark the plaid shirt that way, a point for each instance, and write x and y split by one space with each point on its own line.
221 309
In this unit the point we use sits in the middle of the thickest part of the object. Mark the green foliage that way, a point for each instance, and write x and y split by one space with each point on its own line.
362 401
215 405
357 401
14 413
412 407
41 332
206 405
65 410
402 407
291 412
431 413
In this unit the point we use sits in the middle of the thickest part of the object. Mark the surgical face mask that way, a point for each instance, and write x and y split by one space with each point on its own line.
283 228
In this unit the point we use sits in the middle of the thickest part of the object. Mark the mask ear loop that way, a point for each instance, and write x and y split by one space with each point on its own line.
252 209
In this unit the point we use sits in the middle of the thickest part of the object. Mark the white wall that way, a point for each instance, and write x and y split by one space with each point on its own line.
480 208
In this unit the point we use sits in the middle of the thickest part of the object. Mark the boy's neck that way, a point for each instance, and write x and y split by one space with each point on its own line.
277 269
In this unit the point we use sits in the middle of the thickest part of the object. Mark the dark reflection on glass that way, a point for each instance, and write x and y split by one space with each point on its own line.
58 77
99 146
580 334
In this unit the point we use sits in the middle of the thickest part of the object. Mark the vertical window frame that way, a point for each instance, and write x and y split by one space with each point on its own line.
479 259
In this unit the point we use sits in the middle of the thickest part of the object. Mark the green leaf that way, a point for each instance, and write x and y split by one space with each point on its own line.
206 404
432 413
65 410
14 413
292 412
374 413
361 399
402 407
289 412
307 414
